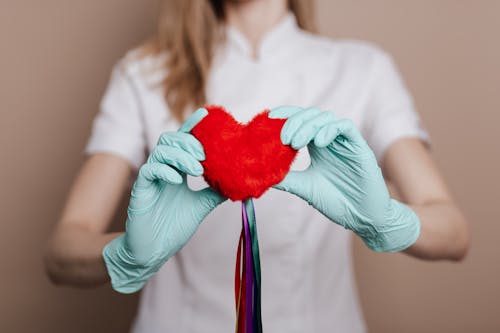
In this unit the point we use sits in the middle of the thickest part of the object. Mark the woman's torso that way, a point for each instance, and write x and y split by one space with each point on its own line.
307 278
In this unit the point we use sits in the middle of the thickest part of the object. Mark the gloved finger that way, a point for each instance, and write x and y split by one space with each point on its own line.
309 129
178 158
284 111
151 172
340 129
208 199
193 120
296 182
293 123
185 141
326 135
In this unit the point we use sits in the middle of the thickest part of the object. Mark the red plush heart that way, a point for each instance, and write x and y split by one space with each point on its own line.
242 161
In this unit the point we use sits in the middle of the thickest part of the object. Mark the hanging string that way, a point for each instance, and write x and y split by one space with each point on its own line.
247 274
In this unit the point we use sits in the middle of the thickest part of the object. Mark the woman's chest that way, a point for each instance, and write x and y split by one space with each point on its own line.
246 88
249 89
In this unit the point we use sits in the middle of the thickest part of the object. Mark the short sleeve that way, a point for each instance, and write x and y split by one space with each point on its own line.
391 114
118 127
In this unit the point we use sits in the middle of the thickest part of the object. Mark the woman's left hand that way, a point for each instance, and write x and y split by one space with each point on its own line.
344 181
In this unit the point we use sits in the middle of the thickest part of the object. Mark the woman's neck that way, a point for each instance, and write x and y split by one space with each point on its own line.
253 18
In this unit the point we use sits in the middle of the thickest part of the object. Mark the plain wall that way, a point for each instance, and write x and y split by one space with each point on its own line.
55 60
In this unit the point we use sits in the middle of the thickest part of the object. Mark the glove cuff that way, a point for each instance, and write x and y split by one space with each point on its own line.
401 230
126 277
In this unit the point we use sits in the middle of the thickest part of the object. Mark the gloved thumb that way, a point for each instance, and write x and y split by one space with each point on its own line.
296 182
207 200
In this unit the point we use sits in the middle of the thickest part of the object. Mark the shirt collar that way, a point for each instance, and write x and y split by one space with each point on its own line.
274 41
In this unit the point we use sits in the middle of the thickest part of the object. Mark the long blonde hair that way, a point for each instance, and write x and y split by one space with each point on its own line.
188 31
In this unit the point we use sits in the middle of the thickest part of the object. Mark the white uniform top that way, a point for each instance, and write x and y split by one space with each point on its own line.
307 278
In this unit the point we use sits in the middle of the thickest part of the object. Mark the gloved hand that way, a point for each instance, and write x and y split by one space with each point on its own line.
163 212
344 181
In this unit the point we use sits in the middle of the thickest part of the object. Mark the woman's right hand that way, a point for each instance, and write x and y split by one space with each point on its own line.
163 212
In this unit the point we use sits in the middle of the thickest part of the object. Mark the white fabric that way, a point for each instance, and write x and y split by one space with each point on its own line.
307 278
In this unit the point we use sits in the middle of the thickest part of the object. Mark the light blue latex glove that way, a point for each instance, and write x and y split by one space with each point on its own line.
344 181
163 212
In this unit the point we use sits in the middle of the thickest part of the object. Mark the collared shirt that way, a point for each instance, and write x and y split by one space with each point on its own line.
307 276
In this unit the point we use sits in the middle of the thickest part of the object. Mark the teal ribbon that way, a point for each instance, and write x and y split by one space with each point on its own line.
250 212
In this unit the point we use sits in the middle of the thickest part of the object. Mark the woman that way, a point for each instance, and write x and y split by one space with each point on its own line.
248 56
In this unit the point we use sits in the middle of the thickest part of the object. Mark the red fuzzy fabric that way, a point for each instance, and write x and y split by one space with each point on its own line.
242 161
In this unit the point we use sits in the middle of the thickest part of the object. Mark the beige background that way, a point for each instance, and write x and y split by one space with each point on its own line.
55 60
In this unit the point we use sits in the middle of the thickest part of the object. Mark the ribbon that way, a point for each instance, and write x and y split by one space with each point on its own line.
247 282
